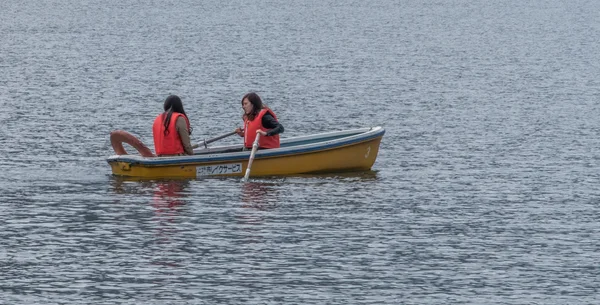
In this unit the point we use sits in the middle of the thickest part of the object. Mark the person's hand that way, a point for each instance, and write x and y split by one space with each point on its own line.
262 133
239 131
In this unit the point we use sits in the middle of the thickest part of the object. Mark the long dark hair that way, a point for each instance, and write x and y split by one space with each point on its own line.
257 104
173 104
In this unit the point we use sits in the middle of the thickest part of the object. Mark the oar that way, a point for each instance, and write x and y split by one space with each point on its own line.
206 142
254 148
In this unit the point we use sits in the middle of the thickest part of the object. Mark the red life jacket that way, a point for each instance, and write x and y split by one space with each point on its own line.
252 126
170 143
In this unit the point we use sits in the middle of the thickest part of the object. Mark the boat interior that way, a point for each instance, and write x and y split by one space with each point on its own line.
288 142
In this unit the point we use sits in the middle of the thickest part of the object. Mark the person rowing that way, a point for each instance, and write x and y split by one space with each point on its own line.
258 118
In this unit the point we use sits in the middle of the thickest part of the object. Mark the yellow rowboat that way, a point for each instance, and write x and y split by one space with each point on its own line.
337 151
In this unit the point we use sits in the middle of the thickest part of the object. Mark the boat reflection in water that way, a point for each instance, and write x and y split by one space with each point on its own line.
161 230
258 195
168 195
260 201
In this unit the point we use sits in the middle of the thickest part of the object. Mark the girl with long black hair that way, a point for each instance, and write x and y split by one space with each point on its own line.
172 130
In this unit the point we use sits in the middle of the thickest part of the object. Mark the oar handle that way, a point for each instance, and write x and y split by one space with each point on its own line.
206 142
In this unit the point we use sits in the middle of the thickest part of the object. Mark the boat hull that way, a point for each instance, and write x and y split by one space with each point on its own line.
330 156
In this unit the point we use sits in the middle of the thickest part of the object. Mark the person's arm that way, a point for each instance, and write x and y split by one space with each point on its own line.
268 121
184 135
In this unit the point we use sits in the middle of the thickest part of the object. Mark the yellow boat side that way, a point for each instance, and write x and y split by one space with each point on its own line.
354 155
360 156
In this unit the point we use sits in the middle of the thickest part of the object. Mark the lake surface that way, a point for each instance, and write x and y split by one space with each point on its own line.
485 190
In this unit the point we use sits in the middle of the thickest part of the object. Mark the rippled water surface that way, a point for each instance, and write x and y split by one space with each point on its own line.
485 190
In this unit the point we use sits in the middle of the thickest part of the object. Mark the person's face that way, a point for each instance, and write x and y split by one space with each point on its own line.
247 106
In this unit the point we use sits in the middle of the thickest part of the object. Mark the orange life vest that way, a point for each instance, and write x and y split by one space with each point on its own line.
170 143
252 126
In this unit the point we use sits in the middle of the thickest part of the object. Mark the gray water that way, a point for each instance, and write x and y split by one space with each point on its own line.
485 190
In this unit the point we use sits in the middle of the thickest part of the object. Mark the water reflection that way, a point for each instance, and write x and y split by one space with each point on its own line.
167 199
370 175
165 193
257 199
258 195
120 185
168 195
161 228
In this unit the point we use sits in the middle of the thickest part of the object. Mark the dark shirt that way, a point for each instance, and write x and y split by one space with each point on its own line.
269 122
